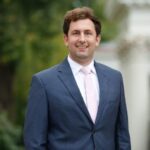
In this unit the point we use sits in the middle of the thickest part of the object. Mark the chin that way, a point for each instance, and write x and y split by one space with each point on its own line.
83 56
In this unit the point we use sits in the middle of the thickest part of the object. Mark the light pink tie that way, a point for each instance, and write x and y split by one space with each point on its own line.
92 103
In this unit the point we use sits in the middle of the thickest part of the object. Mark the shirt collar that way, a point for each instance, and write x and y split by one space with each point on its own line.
76 67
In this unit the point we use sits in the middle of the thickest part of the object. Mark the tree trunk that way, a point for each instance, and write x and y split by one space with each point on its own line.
6 86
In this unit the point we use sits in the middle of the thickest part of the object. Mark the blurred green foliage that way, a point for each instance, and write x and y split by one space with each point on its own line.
9 134
31 40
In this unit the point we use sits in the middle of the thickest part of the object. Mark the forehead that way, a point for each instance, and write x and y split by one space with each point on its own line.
84 24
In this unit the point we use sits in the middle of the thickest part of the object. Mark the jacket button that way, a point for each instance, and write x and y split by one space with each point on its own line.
93 131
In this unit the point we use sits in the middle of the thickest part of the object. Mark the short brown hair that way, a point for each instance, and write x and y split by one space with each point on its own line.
78 14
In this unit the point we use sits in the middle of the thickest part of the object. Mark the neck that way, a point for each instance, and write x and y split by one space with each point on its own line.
83 61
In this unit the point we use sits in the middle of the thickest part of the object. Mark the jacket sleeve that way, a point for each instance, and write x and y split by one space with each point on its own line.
36 121
123 137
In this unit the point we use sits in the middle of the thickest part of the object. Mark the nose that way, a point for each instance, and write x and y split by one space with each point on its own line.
82 37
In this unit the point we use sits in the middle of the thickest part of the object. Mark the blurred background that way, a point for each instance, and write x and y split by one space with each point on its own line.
31 40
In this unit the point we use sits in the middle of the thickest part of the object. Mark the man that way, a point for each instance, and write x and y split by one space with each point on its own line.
63 113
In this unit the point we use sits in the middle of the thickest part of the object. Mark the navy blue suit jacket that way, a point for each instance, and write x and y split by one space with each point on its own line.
57 117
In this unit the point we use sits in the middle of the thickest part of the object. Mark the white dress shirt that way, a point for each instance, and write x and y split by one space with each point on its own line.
79 77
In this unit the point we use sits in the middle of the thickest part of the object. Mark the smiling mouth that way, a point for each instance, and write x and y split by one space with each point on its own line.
82 49
82 46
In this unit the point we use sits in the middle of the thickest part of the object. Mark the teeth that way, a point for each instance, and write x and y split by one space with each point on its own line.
81 46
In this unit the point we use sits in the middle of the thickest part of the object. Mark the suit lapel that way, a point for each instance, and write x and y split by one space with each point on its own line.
104 87
66 76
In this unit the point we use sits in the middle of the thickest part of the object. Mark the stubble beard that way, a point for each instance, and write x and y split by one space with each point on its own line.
84 57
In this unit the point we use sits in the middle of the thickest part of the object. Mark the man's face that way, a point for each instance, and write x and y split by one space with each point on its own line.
82 41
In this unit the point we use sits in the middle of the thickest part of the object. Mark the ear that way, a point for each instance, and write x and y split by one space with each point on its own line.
66 39
98 39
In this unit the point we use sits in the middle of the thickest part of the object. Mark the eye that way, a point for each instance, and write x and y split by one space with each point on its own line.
75 33
88 33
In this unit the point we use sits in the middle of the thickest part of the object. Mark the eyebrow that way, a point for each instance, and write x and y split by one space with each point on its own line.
86 30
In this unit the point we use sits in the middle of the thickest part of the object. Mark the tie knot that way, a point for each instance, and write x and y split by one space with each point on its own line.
86 70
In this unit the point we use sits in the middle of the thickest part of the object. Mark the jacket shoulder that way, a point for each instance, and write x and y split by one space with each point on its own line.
47 73
108 71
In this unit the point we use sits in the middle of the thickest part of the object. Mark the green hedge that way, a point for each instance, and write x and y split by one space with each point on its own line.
10 135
